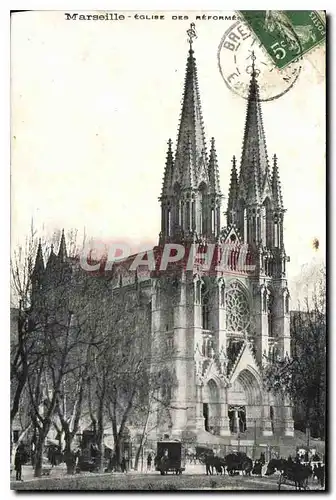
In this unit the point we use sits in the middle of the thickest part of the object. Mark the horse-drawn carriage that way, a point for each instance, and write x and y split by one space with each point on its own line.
170 457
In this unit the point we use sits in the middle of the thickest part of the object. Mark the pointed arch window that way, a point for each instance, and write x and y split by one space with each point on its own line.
193 215
268 223
270 313
264 300
188 215
169 222
205 306
177 200
286 302
241 218
203 207
213 224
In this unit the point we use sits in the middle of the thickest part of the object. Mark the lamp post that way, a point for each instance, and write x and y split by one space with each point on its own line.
236 409
308 435
255 437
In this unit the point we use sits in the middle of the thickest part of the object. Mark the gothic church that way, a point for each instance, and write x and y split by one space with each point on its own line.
224 324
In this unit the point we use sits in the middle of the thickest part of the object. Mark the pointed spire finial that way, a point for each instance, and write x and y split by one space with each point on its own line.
276 186
168 171
39 262
62 253
191 34
213 168
253 64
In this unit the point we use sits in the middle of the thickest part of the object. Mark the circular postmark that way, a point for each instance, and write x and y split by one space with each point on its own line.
237 49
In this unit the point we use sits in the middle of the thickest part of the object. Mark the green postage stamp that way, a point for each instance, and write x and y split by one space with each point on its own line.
286 35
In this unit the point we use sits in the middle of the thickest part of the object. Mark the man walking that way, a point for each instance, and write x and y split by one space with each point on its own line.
19 461
149 462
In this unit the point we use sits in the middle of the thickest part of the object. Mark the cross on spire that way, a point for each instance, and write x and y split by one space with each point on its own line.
191 34
253 64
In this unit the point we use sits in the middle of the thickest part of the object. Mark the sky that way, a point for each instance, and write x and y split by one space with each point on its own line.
93 104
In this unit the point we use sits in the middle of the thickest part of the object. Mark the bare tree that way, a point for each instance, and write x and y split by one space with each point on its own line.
21 265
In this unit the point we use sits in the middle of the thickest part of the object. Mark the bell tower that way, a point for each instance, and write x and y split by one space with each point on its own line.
256 211
190 197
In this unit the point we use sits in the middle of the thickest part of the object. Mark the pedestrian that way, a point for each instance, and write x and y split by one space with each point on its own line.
123 465
149 462
19 461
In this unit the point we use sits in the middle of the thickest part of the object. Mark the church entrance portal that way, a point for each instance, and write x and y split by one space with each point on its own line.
237 418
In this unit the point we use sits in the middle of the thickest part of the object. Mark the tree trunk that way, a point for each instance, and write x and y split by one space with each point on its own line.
41 437
142 441
137 457
100 438
70 458
38 456
116 440
117 451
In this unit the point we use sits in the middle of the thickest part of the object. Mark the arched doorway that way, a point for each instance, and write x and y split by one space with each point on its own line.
244 402
211 407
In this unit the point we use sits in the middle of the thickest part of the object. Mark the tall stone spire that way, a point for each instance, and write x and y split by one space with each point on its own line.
190 197
168 171
37 275
214 184
276 186
62 252
191 128
254 144
39 263
233 194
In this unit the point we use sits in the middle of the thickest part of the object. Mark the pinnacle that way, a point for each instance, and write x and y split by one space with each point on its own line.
233 191
276 186
213 168
39 261
62 252
168 171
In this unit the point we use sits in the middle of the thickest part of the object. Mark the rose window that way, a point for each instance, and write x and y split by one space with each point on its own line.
237 309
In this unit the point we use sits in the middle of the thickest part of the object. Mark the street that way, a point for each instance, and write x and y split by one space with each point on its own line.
194 478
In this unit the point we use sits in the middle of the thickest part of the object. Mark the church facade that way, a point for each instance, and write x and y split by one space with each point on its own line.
222 322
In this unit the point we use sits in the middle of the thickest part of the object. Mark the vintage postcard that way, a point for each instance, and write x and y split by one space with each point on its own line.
168 238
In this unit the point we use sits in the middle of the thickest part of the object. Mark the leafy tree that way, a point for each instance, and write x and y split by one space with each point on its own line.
303 376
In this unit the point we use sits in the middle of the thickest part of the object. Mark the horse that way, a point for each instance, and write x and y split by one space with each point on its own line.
238 462
275 464
214 463
296 473
257 468
318 472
